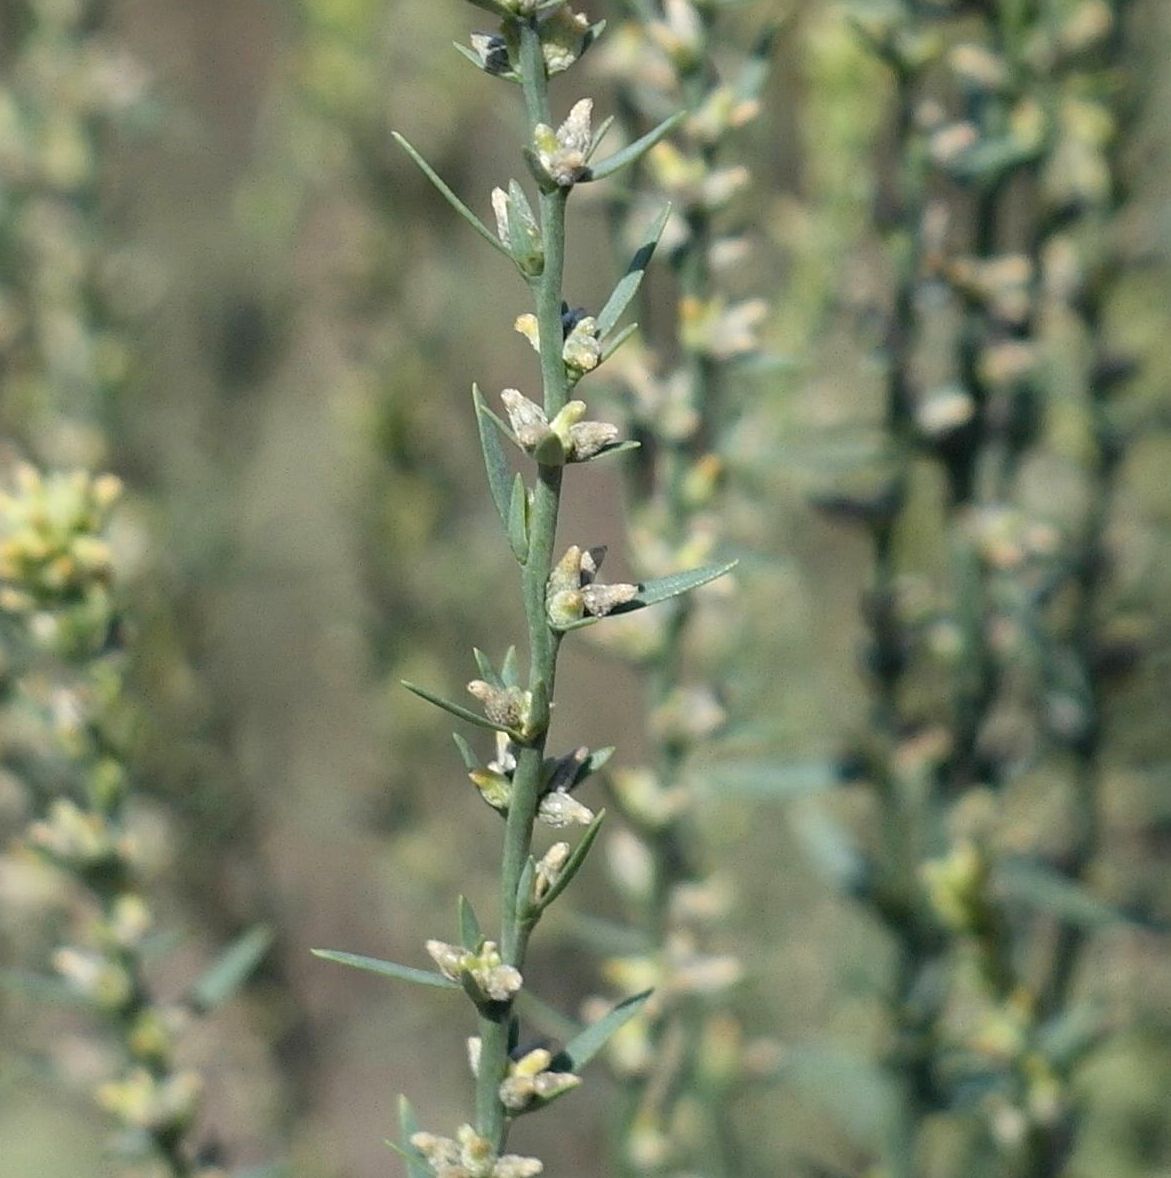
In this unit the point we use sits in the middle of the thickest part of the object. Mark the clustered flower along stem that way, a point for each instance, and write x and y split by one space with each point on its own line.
59 620
1004 204
678 1085
534 40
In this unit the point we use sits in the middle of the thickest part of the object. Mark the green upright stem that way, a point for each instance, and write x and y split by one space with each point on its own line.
491 1116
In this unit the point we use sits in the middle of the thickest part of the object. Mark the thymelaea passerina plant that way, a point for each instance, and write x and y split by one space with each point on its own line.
70 725
560 593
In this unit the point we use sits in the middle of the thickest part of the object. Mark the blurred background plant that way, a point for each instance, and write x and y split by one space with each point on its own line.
683 387
295 320
85 865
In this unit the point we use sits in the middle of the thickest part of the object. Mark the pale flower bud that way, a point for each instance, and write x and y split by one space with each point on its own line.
549 869
507 706
527 419
103 982
559 810
527 326
564 37
583 350
599 600
563 153
451 959
512 1165
588 438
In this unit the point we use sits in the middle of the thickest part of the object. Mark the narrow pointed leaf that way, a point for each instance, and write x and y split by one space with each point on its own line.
1039 887
524 235
450 196
518 520
601 133
455 709
662 589
235 966
616 341
509 669
628 285
635 150
408 1126
484 663
576 858
467 753
582 1048
470 935
495 462
388 969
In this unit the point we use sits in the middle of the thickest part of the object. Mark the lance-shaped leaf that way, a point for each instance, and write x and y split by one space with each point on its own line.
486 669
470 936
518 520
1037 886
662 589
1073 1033
616 341
573 864
603 128
628 285
495 463
467 753
635 150
235 966
524 233
451 197
408 1126
454 708
387 969
510 668
582 1048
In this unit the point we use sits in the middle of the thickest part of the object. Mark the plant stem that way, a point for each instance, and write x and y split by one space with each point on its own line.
544 642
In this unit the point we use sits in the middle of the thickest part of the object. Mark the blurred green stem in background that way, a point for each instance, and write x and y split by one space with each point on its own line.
679 1083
